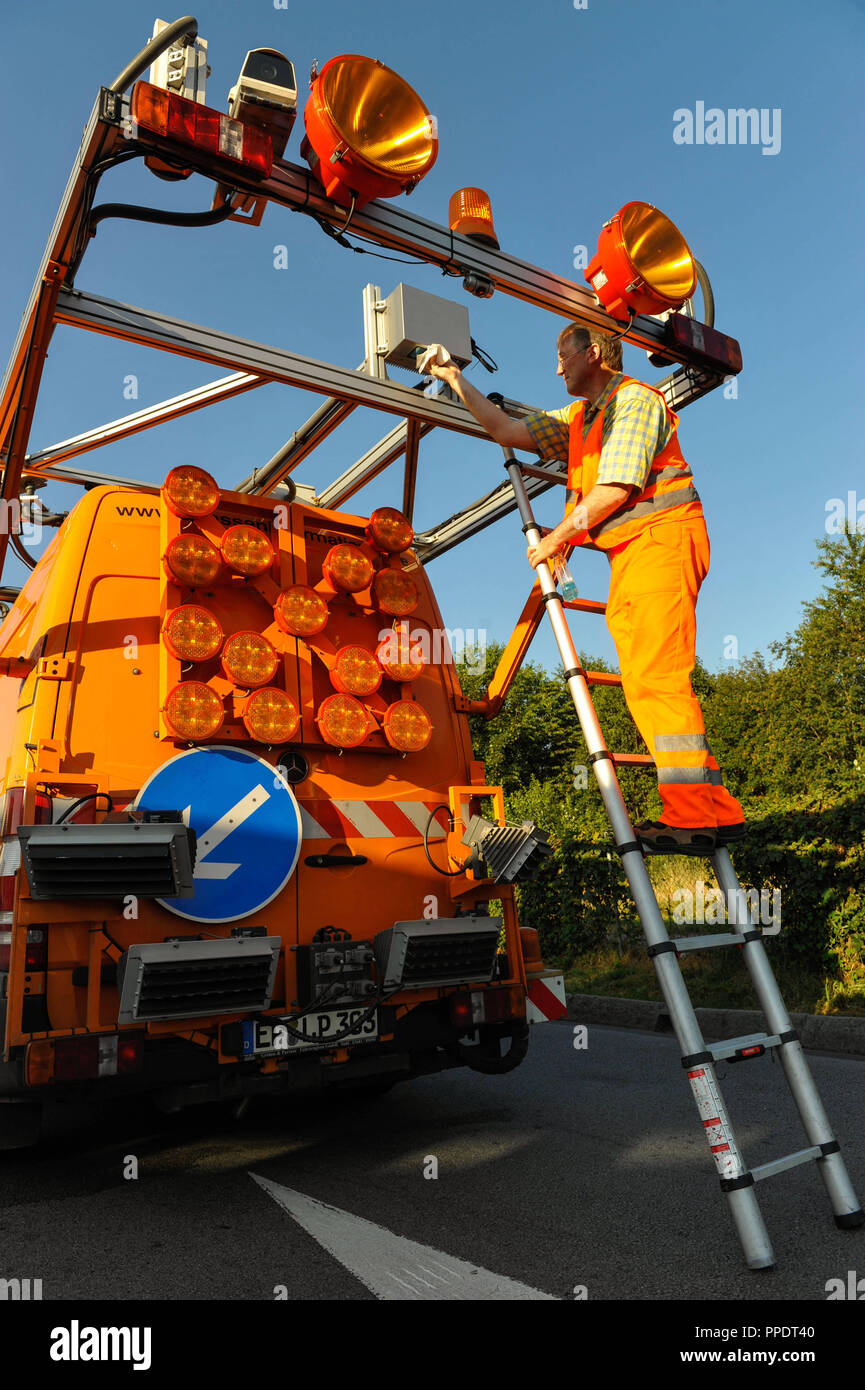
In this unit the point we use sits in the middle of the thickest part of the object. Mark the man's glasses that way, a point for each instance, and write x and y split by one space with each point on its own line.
560 361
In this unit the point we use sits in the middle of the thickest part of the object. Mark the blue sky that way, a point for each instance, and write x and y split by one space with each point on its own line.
563 115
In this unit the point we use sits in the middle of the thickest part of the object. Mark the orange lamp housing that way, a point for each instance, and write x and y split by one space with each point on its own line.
342 721
347 568
407 726
246 551
355 672
189 491
210 131
400 659
643 264
395 593
300 611
193 710
271 716
192 560
470 213
389 531
248 659
192 633
368 134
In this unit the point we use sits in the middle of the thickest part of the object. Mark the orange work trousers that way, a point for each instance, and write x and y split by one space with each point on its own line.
654 581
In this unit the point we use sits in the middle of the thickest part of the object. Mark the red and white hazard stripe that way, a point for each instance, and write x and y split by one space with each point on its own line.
371 820
546 1001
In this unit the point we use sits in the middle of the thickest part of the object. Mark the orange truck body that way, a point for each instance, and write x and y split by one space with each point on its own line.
85 676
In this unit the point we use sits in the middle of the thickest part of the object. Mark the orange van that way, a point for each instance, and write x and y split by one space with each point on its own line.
236 787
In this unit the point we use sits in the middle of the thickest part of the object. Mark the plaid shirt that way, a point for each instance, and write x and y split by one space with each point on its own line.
636 428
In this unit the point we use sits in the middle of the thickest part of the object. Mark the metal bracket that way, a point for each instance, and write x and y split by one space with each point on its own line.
54 668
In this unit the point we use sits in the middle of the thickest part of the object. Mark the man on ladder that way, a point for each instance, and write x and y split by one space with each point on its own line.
631 494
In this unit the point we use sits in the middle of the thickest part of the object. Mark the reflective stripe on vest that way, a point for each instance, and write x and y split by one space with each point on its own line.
670 481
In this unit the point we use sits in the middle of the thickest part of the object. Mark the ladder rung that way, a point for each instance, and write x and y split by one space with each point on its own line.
778 1165
584 605
603 678
633 759
730 1046
702 943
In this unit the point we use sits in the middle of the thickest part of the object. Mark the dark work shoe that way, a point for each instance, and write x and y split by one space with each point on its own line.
730 834
658 838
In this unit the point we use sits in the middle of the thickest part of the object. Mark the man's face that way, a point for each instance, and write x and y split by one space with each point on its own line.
574 365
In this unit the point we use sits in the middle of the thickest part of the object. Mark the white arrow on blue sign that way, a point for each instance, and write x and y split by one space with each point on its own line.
247 823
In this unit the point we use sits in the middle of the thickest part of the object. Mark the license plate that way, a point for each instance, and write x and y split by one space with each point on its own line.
285 1035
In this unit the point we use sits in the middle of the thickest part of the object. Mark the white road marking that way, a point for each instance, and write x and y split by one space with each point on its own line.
221 829
372 1254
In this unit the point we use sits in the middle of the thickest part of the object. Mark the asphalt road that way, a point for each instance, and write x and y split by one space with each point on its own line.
581 1168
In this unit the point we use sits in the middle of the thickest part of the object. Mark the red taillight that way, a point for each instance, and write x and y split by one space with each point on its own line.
462 1014
7 892
96 1054
10 849
13 810
487 1006
499 1004
75 1058
714 347
36 951
208 130
130 1054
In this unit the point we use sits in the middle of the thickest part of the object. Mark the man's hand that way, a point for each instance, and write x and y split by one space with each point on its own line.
545 548
437 362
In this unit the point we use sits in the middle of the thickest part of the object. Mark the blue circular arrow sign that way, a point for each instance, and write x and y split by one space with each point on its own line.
248 826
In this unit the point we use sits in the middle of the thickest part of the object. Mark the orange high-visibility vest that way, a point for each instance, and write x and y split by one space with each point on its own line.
670 483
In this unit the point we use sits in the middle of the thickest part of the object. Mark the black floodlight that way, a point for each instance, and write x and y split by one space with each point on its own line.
189 979
455 951
510 852
109 860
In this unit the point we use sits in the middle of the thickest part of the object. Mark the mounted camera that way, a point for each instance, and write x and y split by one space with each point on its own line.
265 94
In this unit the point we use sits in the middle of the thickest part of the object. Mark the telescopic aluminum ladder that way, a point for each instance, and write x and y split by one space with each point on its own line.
699 1057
